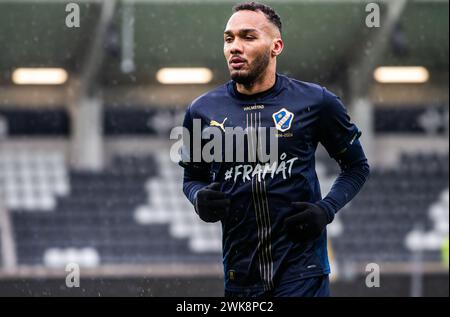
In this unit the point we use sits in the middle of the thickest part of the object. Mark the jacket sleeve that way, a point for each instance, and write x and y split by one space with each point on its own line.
196 174
340 138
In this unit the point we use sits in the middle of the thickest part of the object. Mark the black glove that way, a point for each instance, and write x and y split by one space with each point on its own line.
307 224
211 204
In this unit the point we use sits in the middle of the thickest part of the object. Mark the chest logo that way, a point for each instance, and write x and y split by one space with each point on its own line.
214 123
283 119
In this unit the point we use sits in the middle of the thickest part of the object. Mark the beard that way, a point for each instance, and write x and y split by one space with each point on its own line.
256 69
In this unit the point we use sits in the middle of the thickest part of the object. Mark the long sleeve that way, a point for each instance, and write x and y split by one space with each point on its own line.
354 173
196 174
193 181
340 138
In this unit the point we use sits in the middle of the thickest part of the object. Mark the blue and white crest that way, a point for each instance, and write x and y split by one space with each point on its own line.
283 119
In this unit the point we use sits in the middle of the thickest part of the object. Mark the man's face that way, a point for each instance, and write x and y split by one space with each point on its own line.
248 45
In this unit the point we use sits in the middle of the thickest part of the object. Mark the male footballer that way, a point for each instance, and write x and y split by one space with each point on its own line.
273 215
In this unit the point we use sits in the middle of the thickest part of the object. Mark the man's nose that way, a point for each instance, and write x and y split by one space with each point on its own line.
236 47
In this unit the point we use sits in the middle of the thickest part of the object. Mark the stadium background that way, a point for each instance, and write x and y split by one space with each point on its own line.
85 174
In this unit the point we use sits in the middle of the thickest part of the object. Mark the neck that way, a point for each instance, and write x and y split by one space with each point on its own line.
262 83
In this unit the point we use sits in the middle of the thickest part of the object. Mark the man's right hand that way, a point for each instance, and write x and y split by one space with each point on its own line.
211 204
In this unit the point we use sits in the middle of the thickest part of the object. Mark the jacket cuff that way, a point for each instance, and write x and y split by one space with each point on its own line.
327 208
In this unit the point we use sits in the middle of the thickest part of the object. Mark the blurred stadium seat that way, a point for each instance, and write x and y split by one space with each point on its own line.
139 199
391 205
107 213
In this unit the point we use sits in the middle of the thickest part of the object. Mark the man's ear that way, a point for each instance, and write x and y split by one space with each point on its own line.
277 46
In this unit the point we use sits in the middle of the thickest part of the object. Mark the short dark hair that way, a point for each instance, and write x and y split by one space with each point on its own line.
269 12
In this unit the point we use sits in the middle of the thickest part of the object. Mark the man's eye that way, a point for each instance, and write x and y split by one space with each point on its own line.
228 39
249 38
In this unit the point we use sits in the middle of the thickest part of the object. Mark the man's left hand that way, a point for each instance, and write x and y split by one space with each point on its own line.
308 222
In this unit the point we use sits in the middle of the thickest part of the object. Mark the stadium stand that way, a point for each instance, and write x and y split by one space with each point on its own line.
393 203
134 212
33 180
142 120
203 238
95 223
432 239
1 255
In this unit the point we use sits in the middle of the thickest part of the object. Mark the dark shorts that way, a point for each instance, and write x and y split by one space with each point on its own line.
318 286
